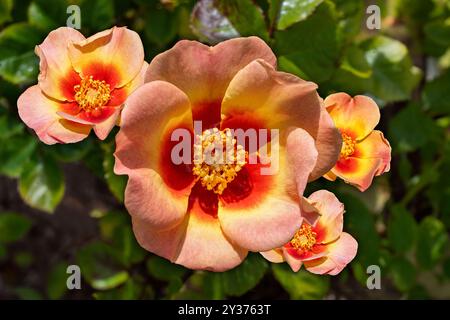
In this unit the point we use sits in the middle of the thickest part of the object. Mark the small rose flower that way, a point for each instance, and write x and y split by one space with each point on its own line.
82 83
365 152
209 215
319 244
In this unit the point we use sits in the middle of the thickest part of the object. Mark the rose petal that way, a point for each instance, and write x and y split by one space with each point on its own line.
115 55
40 114
204 72
57 77
196 243
274 255
331 211
341 252
280 100
357 172
151 195
103 129
119 95
375 146
359 114
273 220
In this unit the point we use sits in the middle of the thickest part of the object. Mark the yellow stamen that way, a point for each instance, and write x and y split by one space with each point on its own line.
304 239
92 94
348 146
217 159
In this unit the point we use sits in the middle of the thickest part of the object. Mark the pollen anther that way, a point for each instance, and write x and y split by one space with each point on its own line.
217 159
92 94
304 239
348 146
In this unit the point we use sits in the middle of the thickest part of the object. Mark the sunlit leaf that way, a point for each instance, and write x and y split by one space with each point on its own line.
314 53
41 184
100 267
18 63
431 242
301 285
293 11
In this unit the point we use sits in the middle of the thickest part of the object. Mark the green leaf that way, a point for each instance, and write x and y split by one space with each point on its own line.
16 153
161 25
130 290
235 282
437 36
48 15
431 242
116 184
100 266
13 227
314 53
96 15
403 273
115 227
360 223
394 76
70 152
18 63
9 126
301 285
41 184
164 270
245 277
355 62
439 32
5 10
293 11
246 17
128 250
403 129
436 95
56 283
350 14
200 286
401 229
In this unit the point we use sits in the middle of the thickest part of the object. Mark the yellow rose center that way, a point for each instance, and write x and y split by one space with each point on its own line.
348 146
91 94
304 239
217 159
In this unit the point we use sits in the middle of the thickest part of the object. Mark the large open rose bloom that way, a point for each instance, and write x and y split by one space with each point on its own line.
365 152
82 83
319 244
176 212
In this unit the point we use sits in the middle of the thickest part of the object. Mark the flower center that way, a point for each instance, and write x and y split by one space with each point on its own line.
348 146
217 159
92 94
304 239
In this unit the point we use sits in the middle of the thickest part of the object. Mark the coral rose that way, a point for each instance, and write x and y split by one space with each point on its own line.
82 83
208 215
365 152
320 244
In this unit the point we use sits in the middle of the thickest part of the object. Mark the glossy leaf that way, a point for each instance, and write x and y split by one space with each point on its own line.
41 184
301 285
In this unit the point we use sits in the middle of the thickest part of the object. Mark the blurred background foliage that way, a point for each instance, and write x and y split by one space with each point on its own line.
63 205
